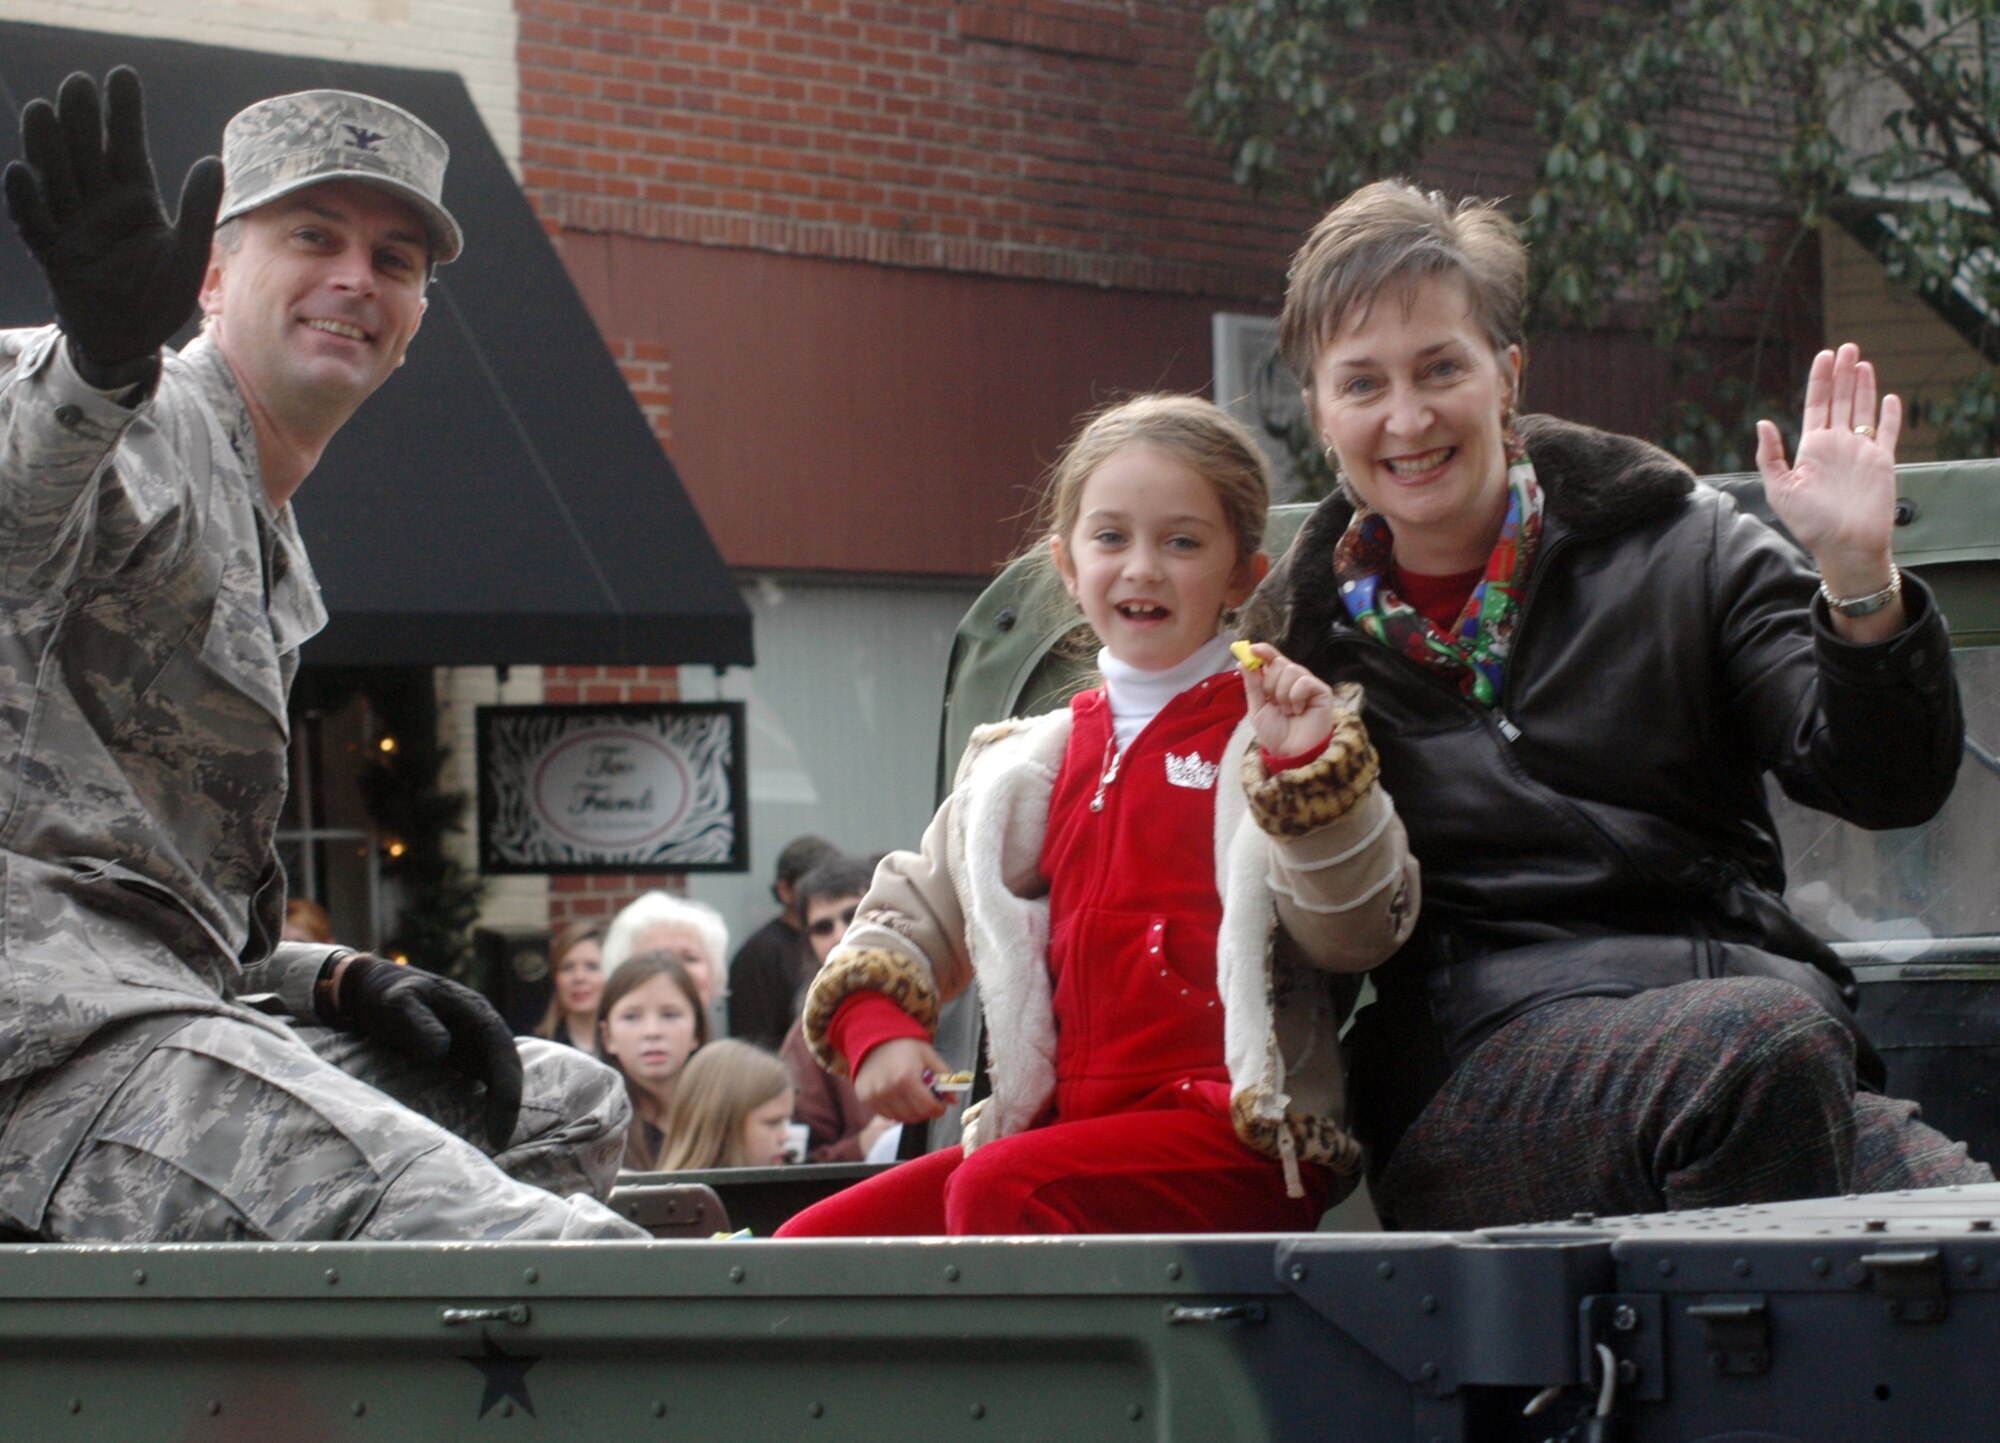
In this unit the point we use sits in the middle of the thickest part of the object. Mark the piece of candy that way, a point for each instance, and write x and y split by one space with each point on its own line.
1251 661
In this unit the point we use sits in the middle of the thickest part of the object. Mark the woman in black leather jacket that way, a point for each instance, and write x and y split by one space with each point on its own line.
1579 664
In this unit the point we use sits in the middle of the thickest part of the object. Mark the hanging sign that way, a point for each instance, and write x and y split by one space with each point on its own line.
654 787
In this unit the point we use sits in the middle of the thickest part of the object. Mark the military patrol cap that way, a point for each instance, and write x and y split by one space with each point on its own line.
289 142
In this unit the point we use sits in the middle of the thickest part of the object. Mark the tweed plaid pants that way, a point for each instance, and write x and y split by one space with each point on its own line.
1706 1094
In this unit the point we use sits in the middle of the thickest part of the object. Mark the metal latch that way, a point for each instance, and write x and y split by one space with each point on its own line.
1737 1333
1911 1282
1224 1313
516 1313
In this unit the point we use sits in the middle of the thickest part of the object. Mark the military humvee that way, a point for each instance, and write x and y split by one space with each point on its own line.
1869 1318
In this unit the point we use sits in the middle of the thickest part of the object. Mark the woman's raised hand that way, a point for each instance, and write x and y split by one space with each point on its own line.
895 1080
1290 708
1838 497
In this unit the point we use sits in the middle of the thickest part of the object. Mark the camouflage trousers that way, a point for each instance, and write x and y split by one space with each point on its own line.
219 1129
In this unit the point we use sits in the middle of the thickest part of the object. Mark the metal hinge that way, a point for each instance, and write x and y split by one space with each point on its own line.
1911 1282
1737 1333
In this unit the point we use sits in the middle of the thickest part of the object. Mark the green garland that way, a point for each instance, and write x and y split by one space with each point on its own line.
406 804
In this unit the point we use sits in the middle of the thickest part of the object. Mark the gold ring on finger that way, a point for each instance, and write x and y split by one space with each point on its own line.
1868 431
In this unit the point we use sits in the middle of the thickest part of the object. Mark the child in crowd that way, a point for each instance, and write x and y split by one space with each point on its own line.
1155 886
576 964
650 1023
733 1109
838 1127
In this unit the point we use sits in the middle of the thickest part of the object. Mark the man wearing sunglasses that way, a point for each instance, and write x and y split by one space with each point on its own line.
840 1128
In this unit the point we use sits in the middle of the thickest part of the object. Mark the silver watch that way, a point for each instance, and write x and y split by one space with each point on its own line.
1867 605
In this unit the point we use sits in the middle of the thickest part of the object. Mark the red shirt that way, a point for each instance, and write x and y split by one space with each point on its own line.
1438 599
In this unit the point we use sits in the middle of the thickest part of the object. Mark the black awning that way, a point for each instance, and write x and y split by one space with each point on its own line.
502 499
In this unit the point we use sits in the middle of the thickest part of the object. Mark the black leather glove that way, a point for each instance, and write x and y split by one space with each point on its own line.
437 1019
123 277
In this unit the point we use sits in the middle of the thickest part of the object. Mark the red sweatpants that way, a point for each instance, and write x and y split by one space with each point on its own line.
1155 1171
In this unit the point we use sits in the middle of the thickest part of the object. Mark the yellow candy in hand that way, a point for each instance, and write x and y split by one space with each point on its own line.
1251 661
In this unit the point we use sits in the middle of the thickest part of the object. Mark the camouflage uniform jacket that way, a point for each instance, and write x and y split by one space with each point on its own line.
153 609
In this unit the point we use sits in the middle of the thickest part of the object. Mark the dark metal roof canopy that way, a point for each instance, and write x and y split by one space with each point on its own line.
502 499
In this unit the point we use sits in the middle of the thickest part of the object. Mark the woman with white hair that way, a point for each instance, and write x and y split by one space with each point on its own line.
661 922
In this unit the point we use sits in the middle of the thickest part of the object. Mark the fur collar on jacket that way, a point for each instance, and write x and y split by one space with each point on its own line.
1595 483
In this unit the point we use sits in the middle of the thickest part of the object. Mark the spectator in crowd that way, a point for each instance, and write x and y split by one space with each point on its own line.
650 1023
576 958
732 1109
840 1128
692 931
771 969
306 921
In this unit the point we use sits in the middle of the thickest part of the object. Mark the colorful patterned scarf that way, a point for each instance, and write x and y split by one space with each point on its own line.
1474 652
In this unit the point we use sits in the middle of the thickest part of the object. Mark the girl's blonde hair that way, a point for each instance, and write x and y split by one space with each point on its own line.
565 941
1200 434
719 1088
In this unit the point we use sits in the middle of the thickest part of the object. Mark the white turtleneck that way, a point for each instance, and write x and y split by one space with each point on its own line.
1137 696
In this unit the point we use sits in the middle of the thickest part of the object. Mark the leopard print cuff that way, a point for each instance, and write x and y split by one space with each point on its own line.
1324 790
1318 1139
865 969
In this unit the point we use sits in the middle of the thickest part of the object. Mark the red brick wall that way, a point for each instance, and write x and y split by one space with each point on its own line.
650 374
599 898
1024 138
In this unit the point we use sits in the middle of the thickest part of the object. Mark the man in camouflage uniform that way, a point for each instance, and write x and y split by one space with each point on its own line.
153 597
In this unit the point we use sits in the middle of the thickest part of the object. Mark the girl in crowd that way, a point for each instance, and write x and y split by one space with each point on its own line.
578 956
650 1023
1153 884
1579 666
733 1109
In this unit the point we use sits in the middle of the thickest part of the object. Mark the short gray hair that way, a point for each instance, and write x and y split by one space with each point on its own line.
664 909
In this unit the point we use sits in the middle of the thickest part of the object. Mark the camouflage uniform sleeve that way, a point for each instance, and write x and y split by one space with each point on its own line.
1342 876
290 972
56 432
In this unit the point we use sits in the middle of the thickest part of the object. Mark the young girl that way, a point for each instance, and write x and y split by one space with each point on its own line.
733 1109
1152 885
650 1023
577 955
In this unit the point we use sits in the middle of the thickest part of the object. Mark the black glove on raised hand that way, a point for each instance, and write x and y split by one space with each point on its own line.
437 1019
123 277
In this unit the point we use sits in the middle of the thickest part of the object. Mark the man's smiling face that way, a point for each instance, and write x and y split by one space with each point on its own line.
317 301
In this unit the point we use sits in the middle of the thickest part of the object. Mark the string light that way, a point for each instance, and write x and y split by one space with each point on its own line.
387 746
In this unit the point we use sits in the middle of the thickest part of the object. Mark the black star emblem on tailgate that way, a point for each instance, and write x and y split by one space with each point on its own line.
506 1376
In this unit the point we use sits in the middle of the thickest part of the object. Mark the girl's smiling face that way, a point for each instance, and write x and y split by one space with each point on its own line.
1151 559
